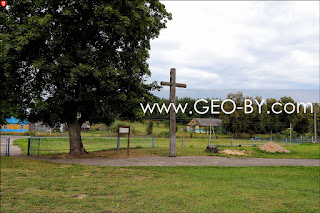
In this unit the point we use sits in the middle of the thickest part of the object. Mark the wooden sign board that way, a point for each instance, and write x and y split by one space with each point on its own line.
123 130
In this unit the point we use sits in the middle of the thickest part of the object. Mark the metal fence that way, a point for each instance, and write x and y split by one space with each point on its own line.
52 145
41 146
5 146
261 141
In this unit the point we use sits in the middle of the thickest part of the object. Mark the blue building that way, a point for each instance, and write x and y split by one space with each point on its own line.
15 125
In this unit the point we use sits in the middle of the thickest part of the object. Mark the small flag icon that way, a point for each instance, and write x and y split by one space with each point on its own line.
3 3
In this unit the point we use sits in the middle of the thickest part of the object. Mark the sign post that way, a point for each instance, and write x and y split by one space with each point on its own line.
123 130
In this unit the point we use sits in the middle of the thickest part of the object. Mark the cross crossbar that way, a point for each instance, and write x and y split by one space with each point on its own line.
176 84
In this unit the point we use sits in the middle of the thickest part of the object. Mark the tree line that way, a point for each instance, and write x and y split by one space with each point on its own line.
265 122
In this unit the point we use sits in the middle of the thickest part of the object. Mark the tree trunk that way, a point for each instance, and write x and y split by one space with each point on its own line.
76 146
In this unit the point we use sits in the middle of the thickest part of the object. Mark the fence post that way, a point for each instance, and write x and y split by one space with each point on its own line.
231 141
38 146
209 140
182 142
251 141
153 142
286 141
28 146
271 139
8 146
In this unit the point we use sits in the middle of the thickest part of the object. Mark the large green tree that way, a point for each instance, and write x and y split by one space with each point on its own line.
74 61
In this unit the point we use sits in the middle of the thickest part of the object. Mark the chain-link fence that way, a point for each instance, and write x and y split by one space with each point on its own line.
51 145
258 141
5 146
41 146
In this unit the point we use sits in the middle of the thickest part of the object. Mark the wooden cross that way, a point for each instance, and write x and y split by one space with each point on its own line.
173 86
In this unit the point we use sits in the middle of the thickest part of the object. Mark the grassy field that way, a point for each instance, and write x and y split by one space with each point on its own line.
37 186
102 147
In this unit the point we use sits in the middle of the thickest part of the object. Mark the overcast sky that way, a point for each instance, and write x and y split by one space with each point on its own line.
239 45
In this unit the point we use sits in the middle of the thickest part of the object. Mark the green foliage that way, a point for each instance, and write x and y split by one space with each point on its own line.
164 134
78 60
166 123
30 133
302 126
278 136
114 127
294 134
149 128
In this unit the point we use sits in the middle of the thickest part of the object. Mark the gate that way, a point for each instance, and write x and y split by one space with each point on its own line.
33 146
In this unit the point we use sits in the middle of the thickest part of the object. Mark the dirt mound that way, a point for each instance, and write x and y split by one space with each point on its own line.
233 152
273 147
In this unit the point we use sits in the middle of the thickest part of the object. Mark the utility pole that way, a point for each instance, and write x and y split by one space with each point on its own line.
315 122
290 132
210 127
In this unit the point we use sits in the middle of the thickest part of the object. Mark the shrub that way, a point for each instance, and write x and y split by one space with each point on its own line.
114 127
164 134
30 133
278 136
150 128
293 135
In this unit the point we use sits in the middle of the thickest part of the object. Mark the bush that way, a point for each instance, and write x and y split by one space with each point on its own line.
294 134
150 128
278 136
114 127
166 123
164 134
30 133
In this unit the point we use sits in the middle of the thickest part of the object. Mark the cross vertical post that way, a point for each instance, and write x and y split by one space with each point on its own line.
173 86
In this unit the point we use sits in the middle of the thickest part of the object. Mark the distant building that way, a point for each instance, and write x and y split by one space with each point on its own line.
85 126
39 127
15 125
197 124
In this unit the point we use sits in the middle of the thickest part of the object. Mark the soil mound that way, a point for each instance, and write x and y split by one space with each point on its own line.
233 152
273 147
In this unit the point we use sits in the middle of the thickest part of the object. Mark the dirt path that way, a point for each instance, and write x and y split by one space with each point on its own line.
13 150
186 161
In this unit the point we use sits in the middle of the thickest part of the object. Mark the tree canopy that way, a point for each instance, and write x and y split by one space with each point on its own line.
74 61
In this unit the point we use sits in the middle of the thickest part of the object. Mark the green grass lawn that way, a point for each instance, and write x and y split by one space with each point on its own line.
37 186
104 147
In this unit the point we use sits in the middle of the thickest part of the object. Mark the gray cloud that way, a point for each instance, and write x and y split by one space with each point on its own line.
248 45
